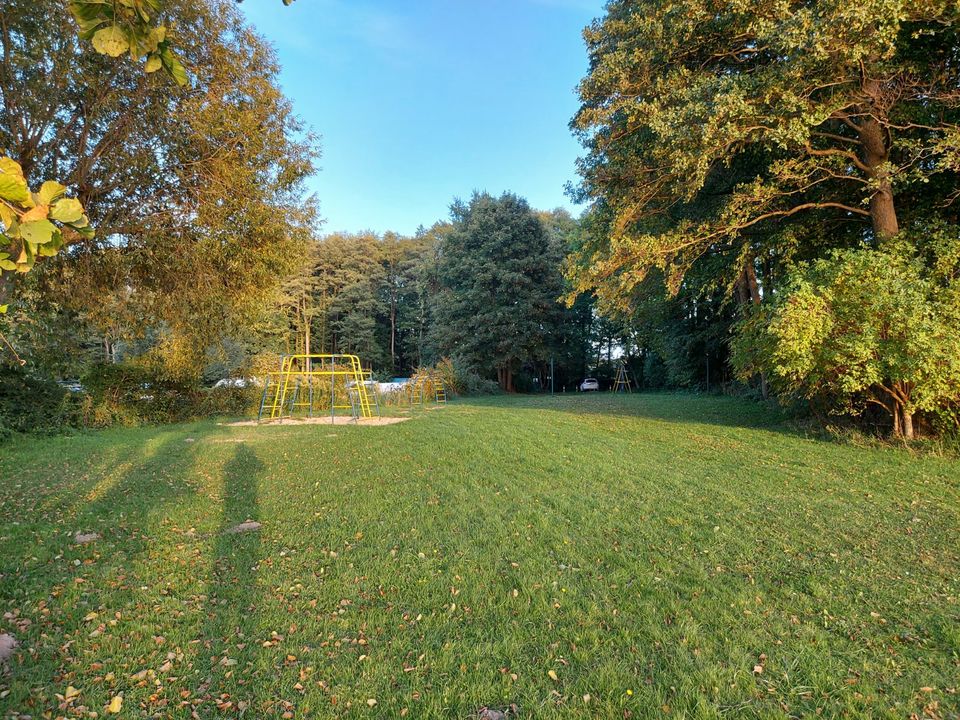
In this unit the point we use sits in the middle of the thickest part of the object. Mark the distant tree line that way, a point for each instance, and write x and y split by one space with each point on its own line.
484 289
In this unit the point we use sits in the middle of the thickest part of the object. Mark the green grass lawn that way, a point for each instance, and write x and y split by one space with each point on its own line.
592 557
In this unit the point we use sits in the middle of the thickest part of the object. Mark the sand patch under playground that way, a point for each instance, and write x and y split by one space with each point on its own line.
327 420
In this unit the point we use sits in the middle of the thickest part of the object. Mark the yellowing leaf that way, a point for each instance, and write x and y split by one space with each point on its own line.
552 675
38 232
115 705
7 216
38 213
67 210
173 66
111 41
9 166
50 192
14 188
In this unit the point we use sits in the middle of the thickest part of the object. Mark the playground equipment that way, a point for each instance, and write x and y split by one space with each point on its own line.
426 386
624 380
317 384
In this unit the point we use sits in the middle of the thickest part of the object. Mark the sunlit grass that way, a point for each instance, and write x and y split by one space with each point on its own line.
659 555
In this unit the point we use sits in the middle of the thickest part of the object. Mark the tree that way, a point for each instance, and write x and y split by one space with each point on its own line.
347 275
416 312
400 259
867 326
499 286
196 193
112 29
831 108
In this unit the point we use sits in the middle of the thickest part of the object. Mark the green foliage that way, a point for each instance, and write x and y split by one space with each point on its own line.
709 125
499 286
134 393
460 379
139 147
33 404
115 28
378 296
865 326
35 224
127 393
230 401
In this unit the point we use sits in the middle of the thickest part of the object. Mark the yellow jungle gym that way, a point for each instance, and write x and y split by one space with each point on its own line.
318 383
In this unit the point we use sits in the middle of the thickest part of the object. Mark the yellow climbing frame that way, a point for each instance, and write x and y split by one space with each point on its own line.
301 375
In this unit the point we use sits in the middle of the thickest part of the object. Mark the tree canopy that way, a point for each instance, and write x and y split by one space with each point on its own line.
707 122
196 193
499 286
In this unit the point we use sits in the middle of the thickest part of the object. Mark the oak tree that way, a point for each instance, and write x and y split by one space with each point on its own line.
830 109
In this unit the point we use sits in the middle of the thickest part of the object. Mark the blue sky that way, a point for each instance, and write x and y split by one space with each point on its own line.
421 101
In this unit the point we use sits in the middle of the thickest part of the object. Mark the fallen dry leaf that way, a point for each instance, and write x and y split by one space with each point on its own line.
7 645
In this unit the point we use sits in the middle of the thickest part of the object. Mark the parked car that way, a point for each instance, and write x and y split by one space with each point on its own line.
589 384
73 386
232 383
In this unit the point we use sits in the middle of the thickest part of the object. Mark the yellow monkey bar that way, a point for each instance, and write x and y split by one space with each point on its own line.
314 383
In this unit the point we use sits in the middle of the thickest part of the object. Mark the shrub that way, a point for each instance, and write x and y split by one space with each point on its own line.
127 393
865 327
458 379
230 401
33 404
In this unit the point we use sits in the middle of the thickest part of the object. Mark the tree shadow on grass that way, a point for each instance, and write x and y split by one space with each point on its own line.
231 645
683 408
80 587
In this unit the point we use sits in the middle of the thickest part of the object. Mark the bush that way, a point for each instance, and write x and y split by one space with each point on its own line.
127 394
34 404
458 379
230 401
865 328
124 394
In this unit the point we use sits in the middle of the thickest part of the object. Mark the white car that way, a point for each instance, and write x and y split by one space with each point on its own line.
589 384
232 383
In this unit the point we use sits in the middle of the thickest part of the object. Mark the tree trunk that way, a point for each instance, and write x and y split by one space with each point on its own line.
505 376
900 394
752 284
422 322
907 426
743 291
883 213
750 292
306 329
393 332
